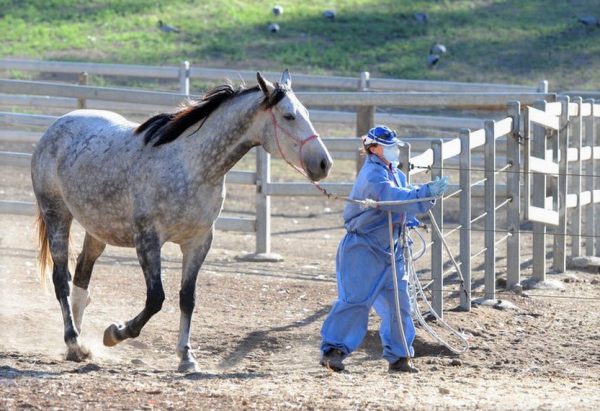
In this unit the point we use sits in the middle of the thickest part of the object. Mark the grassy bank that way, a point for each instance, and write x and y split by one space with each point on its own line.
492 41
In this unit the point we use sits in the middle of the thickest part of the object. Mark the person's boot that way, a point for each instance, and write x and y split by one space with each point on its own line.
402 365
332 359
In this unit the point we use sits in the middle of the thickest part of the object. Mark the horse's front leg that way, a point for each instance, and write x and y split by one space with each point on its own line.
194 254
147 244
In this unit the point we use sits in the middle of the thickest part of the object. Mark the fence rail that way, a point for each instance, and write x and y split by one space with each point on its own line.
193 72
558 133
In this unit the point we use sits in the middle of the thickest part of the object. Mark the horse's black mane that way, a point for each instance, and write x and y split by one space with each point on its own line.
166 127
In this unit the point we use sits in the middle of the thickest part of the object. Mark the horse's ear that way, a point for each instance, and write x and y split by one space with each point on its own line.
265 85
286 79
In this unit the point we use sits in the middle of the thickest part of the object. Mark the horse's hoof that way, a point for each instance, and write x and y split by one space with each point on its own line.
188 366
78 353
111 334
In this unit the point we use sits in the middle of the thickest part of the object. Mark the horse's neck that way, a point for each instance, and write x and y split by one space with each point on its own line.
224 138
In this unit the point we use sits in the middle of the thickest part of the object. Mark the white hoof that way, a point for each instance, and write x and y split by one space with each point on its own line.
77 353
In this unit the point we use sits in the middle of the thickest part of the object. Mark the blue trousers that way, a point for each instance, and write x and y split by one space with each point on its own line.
358 290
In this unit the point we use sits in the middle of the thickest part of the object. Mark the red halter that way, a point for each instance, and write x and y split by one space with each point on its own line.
277 127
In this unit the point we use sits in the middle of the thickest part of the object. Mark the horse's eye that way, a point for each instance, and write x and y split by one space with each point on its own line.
289 116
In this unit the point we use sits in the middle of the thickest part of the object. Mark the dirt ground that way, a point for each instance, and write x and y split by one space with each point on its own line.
256 334
256 330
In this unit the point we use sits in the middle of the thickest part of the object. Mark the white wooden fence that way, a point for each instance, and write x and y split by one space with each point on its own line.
541 119
184 72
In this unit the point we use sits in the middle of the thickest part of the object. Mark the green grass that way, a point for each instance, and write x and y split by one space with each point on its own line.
511 41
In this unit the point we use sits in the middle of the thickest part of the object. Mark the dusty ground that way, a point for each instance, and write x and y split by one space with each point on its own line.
256 332
256 335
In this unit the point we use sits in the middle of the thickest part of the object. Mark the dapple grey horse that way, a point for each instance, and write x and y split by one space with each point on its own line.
142 185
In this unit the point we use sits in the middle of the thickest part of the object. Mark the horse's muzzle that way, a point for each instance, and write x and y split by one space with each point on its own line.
316 160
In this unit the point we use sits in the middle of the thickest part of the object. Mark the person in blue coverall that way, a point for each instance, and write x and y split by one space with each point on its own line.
363 267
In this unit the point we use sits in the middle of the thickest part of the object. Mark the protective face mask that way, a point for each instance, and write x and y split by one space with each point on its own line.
392 155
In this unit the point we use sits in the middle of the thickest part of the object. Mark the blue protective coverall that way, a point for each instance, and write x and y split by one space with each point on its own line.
363 267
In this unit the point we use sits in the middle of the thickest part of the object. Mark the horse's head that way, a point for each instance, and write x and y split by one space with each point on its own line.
288 131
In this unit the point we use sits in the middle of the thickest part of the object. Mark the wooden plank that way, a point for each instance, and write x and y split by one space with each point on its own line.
553 108
586 153
513 217
129 70
477 138
401 120
171 72
503 127
12 159
573 109
586 109
19 136
424 159
542 118
465 217
537 134
439 86
437 257
585 198
17 207
451 148
20 119
560 245
489 263
477 101
245 225
263 202
576 184
544 216
590 220
240 177
571 201
306 189
537 165
89 92
572 154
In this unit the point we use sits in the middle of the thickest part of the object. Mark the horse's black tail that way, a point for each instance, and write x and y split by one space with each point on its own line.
44 257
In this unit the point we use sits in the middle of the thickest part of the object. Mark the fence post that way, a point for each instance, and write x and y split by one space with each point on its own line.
437 258
560 239
263 211
577 130
82 81
184 78
465 216
592 222
542 86
365 116
490 211
513 185
404 159
538 134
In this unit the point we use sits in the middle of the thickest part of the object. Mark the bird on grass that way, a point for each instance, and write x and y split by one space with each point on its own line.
166 28
435 53
589 21
432 60
329 15
422 18
273 27
438 49
277 10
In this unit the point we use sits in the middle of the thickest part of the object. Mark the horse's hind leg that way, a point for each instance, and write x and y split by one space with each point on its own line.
194 254
147 244
80 295
58 224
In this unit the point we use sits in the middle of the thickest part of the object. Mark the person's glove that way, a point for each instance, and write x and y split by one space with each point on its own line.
438 186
